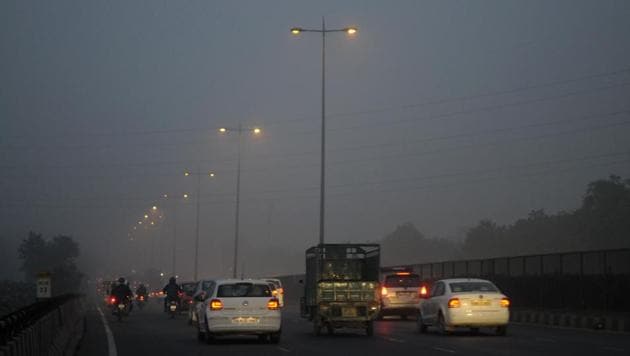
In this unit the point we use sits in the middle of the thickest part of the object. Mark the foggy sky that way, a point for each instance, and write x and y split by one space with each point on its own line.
440 113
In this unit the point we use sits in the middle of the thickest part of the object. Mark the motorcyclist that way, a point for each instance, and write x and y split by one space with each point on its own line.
122 292
172 291
141 291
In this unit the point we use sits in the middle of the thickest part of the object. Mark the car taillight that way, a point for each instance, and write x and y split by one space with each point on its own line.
280 290
454 303
190 301
113 300
424 291
216 304
273 304
383 291
505 302
141 298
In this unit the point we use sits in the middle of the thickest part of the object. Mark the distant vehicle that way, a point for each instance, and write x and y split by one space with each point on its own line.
186 299
401 292
465 302
140 301
341 287
239 307
120 308
202 289
277 290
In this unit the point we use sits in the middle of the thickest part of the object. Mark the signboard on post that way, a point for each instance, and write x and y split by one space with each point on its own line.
43 285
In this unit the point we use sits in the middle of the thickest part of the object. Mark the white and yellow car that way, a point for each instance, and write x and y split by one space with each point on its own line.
464 302
239 307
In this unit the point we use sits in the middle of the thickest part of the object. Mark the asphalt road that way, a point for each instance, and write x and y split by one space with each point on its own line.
151 332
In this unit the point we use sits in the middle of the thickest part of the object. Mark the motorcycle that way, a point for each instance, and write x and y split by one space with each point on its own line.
172 308
120 308
140 300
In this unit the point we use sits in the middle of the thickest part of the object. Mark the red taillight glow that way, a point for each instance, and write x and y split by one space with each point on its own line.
403 273
454 303
141 297
216 304
190 301
383 291
112 300
273 304
424 291
505 302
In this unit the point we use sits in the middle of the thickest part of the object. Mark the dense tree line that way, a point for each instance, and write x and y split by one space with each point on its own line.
601 222
56 256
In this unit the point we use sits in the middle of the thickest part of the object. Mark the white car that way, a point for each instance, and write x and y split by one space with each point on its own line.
401 293
464 302
239 307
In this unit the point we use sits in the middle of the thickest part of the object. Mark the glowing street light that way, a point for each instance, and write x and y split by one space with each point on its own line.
154 208
239 130
350 31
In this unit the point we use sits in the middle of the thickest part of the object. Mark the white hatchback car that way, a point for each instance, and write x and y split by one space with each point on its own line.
239 307
464 302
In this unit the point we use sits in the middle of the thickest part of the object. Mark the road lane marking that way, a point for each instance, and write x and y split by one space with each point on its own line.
443 349
393 339
111 344
283 349
614 349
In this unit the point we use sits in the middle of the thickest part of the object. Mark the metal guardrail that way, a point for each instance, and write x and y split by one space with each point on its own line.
596 280
45 327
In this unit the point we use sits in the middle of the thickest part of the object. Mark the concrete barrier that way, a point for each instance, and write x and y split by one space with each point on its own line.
566 319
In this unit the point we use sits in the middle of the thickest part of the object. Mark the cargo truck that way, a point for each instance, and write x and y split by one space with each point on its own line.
341 287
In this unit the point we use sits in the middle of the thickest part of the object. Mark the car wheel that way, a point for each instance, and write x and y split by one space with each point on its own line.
317 326
369 329
263 338
422 327
330 329
275 337
441 325
501 330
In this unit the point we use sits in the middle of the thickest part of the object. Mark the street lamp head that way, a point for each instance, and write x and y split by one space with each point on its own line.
154 208
223 130
139 222
186 174
211 174
165 196
296 31
185 196
152 223
146 216
257 131
351 30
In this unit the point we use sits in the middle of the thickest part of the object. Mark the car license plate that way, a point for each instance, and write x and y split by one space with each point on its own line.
404 294
348 312
477 303
121 306
245 320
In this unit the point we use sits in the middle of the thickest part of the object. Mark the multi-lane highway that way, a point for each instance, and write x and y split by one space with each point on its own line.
151 332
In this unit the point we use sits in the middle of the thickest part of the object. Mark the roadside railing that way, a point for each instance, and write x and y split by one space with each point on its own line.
48 327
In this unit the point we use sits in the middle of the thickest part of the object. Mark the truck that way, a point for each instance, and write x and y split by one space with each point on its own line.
341 287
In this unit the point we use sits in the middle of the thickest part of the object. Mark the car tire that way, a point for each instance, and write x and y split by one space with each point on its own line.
274 338
330 329
422 327
317 326
441 325
264 338
501 330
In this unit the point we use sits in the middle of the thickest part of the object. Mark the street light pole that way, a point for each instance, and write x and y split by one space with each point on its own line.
239 130
197 226
238 198
198 192
322 188
174 247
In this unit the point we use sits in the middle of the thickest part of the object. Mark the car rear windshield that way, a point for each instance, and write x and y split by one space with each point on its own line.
189 288
463 287
240 290
405 281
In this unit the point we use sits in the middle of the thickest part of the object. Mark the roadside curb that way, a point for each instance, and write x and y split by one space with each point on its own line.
571 320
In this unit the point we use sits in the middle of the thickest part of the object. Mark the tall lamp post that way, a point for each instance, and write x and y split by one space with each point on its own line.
197 174
322 190
239 130
174 200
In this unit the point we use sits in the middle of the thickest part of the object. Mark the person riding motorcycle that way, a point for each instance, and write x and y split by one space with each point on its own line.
141 290
122 293
172 291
